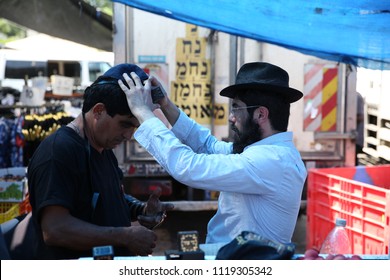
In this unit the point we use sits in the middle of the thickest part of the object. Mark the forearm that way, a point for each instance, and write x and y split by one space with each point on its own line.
136 207
142 113
67 231
171 112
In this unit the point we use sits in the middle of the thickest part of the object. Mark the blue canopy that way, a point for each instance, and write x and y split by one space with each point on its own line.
355 32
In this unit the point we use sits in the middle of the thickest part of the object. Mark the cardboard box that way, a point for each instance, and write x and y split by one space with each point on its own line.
13 182
62 85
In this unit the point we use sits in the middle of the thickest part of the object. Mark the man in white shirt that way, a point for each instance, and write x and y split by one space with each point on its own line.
260 175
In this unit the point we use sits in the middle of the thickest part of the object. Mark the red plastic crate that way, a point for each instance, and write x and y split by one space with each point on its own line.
333 193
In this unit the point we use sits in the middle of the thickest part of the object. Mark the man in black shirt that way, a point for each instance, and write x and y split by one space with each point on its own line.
75 184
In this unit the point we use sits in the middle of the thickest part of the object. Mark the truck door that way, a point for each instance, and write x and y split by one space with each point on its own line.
330 114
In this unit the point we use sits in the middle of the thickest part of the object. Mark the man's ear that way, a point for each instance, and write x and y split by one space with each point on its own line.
262 113
98 109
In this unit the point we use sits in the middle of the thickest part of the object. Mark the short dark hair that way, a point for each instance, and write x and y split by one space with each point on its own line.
110 94
279 109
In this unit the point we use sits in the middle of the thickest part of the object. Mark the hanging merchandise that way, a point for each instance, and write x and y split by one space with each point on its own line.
4 142
21 134
12 142
37 127
17 143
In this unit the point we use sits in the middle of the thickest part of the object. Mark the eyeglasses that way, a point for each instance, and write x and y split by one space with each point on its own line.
235 109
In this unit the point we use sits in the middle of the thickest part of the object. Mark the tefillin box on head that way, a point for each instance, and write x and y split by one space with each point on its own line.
188 243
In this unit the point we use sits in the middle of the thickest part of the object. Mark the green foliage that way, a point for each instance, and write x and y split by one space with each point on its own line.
104 5
10 31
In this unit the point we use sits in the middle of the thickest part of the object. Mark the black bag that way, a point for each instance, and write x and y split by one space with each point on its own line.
251 246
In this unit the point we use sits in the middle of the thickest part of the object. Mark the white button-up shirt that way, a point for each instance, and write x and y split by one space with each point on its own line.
260 189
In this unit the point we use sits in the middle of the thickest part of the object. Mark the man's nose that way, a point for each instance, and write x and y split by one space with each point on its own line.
128 133
232 118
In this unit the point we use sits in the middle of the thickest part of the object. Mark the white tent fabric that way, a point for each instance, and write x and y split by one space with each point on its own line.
355 32
48 47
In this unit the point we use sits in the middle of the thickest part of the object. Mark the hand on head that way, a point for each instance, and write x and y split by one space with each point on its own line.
138 96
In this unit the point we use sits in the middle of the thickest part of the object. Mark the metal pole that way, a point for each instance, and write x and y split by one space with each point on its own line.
123 47
212 38
233 59
123 39
232 68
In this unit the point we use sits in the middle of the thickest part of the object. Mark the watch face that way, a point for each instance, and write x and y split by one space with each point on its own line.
188 241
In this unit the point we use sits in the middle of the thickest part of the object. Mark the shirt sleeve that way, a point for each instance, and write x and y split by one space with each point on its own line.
197 159
198 137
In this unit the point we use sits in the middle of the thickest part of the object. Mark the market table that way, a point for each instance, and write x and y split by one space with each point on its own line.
212 249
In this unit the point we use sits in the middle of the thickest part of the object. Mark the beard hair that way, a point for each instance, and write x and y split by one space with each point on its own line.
250 134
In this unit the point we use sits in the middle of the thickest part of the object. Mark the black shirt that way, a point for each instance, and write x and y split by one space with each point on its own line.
66 171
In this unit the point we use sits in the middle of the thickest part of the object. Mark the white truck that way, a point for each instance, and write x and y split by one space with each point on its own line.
375 86
196 63
43 55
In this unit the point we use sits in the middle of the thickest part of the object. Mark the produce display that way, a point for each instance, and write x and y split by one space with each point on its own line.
313 254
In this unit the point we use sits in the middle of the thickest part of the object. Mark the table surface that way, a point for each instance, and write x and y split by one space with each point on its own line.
211 251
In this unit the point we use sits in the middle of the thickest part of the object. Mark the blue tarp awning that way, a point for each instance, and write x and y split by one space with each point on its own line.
355 32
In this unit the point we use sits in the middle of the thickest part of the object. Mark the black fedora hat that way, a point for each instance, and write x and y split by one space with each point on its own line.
263 76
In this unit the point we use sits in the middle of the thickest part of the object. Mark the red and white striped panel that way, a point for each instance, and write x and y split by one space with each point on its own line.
320 97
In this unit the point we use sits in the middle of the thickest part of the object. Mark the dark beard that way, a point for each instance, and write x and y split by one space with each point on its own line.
251 133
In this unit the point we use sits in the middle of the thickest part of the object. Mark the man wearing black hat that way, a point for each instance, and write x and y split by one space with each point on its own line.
75 183
260 175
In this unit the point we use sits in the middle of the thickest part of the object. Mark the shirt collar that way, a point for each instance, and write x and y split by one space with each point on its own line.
276 138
